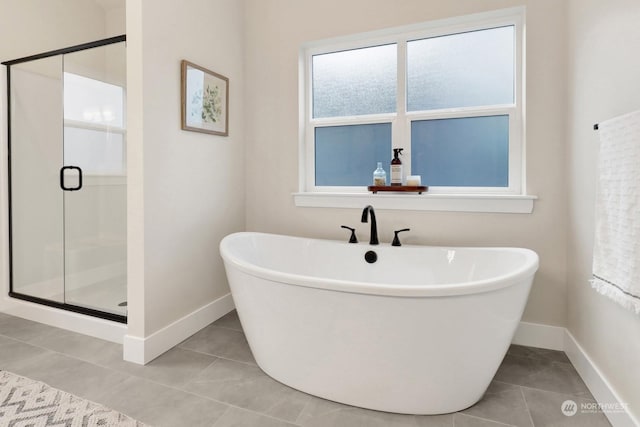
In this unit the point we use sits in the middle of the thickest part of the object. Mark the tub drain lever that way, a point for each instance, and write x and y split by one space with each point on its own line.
353 238
396 240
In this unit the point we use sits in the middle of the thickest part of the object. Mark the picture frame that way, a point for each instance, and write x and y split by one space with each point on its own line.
204 99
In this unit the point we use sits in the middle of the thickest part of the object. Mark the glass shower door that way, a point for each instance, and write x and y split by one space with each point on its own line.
68 184
95 199
37 236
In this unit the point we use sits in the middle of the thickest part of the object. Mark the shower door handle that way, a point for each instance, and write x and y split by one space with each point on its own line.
65 188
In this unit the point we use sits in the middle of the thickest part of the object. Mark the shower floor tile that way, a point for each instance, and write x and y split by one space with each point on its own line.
211 379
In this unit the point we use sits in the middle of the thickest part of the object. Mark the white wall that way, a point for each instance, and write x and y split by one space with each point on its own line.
604 69
186 189
275 30
29 27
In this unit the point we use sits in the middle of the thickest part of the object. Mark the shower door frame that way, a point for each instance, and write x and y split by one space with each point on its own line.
63 306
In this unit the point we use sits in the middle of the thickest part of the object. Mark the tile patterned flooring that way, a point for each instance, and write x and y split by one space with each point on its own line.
211 379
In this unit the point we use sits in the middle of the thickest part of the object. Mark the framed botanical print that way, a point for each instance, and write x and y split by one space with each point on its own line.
205 100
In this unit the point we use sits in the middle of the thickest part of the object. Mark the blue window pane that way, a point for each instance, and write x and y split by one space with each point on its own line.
461 70
355 82
348 155
461 152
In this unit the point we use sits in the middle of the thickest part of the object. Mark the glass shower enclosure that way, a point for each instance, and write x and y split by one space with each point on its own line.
68 178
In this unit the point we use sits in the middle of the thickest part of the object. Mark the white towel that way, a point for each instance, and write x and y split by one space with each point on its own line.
616 252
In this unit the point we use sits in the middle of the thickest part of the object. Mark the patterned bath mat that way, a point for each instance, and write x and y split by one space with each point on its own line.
28 403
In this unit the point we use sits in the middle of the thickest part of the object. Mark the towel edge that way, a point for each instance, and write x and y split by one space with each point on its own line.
615 294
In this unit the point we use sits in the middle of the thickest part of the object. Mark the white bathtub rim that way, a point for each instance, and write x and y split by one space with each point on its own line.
524 273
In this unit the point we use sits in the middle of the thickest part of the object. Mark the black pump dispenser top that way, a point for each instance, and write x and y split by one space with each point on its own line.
397 152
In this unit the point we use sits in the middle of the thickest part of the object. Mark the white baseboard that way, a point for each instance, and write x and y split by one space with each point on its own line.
76 322
144 350
542 336
597 383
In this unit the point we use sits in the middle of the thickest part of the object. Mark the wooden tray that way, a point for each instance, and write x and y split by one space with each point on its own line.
399 188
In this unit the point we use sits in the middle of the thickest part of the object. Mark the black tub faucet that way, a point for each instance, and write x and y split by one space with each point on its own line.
374 224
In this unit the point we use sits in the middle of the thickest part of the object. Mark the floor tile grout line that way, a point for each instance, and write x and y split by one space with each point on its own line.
560 393
221 357
526 405
253 411
213 325
543 369
48 349
544 390
278 402
13 338
226 410
306 404
172 387
215 359
20 340
568 362
484 419
248 409
58 331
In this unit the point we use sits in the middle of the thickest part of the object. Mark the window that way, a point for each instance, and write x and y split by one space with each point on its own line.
448 92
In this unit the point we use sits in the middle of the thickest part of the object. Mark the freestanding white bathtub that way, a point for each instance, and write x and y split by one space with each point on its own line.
421 331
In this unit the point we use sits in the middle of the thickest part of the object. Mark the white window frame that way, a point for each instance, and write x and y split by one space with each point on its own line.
401 119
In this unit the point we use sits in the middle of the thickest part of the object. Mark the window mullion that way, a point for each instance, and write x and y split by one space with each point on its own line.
400 131
401 94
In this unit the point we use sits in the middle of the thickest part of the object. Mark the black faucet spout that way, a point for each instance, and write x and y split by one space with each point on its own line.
368 211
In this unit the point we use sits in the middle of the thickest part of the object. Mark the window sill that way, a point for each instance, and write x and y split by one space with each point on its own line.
420 202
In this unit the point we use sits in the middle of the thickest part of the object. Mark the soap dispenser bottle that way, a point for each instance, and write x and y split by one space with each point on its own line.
396 167
379 176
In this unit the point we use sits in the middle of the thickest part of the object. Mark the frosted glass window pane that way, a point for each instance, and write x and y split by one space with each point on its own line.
461 70
461 152
348 155
355 82
96 152
90 100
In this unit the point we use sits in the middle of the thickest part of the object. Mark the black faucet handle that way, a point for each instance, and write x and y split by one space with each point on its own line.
353 238
396 240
